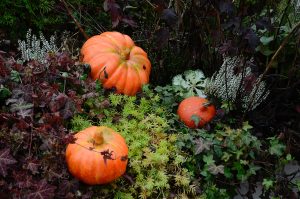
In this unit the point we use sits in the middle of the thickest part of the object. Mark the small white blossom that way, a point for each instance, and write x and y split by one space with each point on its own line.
36 49
228 85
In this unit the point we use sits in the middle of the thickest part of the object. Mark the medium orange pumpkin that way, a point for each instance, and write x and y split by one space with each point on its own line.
98 156
196 107
117 62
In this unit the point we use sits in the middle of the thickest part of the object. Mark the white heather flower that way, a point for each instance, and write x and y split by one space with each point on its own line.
36 49
228 84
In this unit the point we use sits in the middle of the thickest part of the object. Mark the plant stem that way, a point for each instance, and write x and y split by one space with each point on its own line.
76 22
284 42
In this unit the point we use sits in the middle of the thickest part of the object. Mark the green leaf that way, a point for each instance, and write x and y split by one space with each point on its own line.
289 157
227 173
4 92
264 50
267 183
238 154
298 184
64 74
98 86
196 119
15 76
253 168
266 40
276 148
246 126
208 159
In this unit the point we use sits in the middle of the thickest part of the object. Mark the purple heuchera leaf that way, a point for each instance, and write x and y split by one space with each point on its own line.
58 102
5 160
162 37
43 190
226 7
33 166
169 16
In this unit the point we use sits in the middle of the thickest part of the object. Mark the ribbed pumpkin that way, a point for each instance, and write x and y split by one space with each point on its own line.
117 62
98 156
196 106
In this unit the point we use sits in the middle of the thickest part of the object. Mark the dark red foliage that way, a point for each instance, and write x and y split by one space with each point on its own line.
41 190
33 126
5 160
116 14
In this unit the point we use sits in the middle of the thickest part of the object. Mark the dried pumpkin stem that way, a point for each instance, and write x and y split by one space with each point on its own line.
205 105
98 138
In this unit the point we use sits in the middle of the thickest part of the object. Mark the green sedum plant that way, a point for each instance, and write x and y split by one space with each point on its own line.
155 162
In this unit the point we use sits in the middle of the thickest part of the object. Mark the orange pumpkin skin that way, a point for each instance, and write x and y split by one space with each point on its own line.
89 166
195 106
117 62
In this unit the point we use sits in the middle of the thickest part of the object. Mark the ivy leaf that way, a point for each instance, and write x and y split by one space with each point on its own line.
201 145
196 119
276 148
214 169
208 159
246 126
5 160
253 168
267 183
43 190
264 50
266 40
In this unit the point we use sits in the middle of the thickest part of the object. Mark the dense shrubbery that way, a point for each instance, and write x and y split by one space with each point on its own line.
250 148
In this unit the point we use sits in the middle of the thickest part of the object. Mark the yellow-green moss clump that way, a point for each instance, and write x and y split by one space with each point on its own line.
155 162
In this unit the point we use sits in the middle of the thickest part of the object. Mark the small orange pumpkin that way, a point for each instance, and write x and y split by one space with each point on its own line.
98 156
117 62
196 107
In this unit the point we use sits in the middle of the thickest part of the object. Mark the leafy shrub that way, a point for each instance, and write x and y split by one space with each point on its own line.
36 105
190 83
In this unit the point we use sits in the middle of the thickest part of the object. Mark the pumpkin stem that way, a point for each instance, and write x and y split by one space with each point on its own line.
205 105
125 54
98 138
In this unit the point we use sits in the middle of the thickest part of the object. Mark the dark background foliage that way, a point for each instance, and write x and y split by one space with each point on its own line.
184 35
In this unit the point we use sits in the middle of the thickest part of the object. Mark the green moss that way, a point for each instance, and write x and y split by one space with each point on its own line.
154 160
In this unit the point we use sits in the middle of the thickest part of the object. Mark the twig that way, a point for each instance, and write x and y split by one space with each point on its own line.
296 27
150 4
76 22
281 20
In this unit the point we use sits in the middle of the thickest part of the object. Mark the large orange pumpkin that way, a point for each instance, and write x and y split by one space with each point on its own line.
98 156
195 107
117 62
